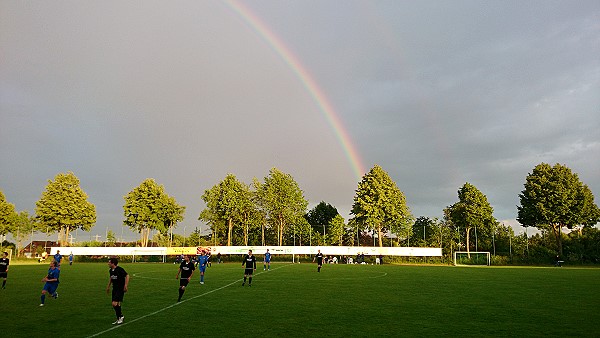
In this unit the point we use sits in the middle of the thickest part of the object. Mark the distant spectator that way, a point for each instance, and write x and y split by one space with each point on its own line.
43 257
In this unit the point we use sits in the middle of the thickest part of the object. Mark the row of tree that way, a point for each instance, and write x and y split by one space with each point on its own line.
274 212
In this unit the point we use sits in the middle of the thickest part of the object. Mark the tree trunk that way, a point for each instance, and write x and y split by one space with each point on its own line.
229 231
143 237
66 240
263 233
468 229
246 229
556 229
379 239
280 228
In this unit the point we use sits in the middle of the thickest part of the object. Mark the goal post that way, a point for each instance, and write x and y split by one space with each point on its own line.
464 258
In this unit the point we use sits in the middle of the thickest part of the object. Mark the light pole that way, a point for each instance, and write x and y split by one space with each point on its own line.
494 240
373 236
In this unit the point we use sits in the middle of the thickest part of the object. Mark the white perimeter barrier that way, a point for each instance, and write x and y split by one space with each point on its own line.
257 250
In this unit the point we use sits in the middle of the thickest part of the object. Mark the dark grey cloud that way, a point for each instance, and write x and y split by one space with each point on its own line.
438 93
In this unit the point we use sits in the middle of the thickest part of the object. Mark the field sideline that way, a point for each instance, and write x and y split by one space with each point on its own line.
295 300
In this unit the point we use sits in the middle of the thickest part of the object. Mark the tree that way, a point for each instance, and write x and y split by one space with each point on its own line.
172 213
148 208
111 238
227 201
472 211
422 230
8 215
302 231
379 203
337 228
554 198
321 215
260 203
24 225
283 201
64 207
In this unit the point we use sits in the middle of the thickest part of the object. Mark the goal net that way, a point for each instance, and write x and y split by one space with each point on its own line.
472 258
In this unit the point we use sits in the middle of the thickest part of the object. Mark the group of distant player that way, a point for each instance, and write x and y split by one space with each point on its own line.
119 278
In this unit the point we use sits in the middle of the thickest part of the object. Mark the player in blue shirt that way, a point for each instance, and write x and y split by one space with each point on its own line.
71 259
58 258
50 282
267 261
202 263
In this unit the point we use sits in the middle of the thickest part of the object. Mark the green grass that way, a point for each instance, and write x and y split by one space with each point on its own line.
295 300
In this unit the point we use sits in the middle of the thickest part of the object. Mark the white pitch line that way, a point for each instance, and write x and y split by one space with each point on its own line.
172 305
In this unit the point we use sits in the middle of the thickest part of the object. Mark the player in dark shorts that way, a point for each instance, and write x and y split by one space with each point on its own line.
50 282
4 262
186 269
119 279
319 258
249 262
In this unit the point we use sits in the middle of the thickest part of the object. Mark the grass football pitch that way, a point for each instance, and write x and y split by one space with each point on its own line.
294 300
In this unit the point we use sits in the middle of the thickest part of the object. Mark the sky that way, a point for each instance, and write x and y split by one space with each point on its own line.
438 93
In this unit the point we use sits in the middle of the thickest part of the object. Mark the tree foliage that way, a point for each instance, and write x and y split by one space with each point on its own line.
283 201
320 216
64 207
554 198
380 205
148 207
336 230
8 215
472 211
229 201
24 226
424 228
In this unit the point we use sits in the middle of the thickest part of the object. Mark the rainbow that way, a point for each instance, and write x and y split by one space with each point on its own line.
307 81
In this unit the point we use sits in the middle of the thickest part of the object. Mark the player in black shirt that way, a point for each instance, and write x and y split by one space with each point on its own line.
4 262
249 262
119 280
319 258
186 268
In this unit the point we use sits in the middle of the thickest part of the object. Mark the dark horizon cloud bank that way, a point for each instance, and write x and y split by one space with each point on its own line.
437 93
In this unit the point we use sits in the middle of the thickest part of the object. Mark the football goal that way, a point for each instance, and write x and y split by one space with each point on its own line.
472 258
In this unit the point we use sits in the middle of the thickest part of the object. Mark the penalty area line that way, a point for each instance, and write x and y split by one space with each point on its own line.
116 326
